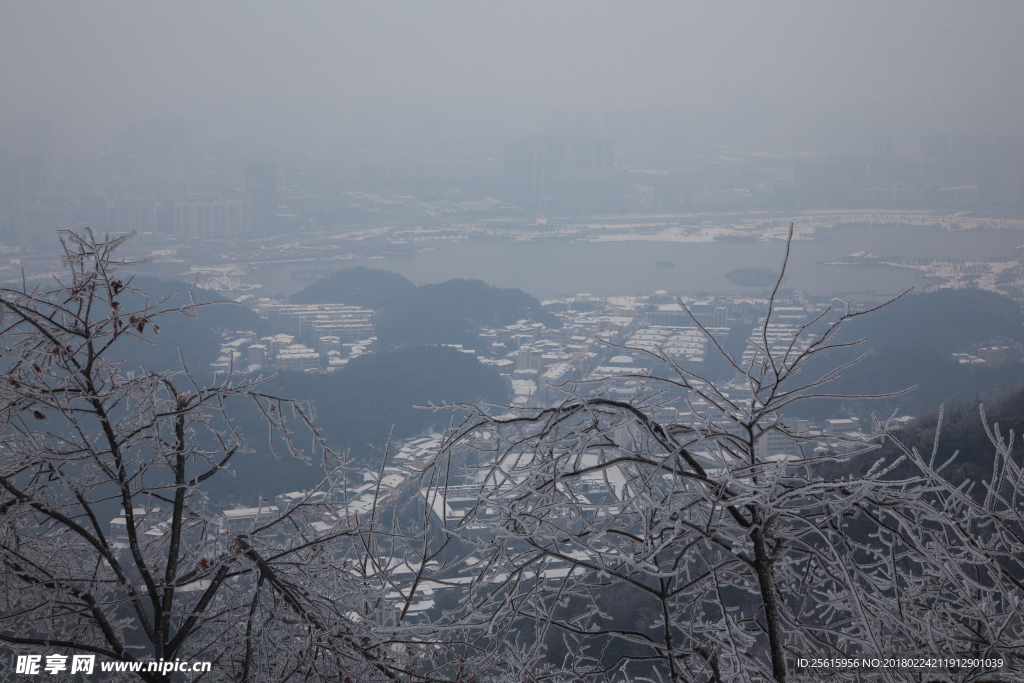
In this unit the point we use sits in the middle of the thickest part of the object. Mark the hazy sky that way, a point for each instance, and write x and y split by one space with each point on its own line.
901 68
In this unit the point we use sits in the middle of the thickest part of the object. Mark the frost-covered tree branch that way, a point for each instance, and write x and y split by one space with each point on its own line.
608 544
84 440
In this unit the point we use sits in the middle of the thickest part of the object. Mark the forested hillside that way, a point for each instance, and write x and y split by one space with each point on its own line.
962 434
356 407
451 312
195 338
358 286
911 343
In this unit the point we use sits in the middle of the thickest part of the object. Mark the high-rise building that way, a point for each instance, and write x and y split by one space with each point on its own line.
220 218
604 153
545 173
26 177
22 177
530 172
91 211
62 199
134 214
6 204
583 151
40 223
261 191
934 146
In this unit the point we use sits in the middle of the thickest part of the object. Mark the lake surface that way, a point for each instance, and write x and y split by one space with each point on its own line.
550 270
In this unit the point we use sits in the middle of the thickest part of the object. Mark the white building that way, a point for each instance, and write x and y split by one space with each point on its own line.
286 501
242 520
258 354
298 357
839 426
144 520
330 343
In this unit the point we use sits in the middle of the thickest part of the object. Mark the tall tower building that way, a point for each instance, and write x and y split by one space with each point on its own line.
532 167
7 203
550 173
221 218
261 191
92 211
40 223
135 213
28 178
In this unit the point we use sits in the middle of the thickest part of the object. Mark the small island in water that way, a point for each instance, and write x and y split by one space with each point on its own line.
752 277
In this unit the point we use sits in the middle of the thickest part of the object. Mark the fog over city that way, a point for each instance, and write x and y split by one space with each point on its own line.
803 74
512 341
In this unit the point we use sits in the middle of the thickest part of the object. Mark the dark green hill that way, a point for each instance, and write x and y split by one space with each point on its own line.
962 432
358 286
912 342
451 312
197 339
938 378
946 320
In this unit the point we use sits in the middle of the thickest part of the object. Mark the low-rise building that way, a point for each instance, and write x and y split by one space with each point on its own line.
145 520
298 357
286 501
330 343
258 354
241 520
837 426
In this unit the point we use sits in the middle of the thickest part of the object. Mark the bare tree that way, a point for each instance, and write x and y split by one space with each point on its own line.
609 544
297 595
977 542
601 542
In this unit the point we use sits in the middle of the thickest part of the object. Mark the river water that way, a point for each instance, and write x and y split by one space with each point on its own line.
551 270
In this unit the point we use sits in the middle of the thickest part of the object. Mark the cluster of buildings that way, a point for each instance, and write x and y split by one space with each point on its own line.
33 207
612 349
952 171
608 346
242 352
686 346
311 338
159 178
558 174
596 495
347 323
621 342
